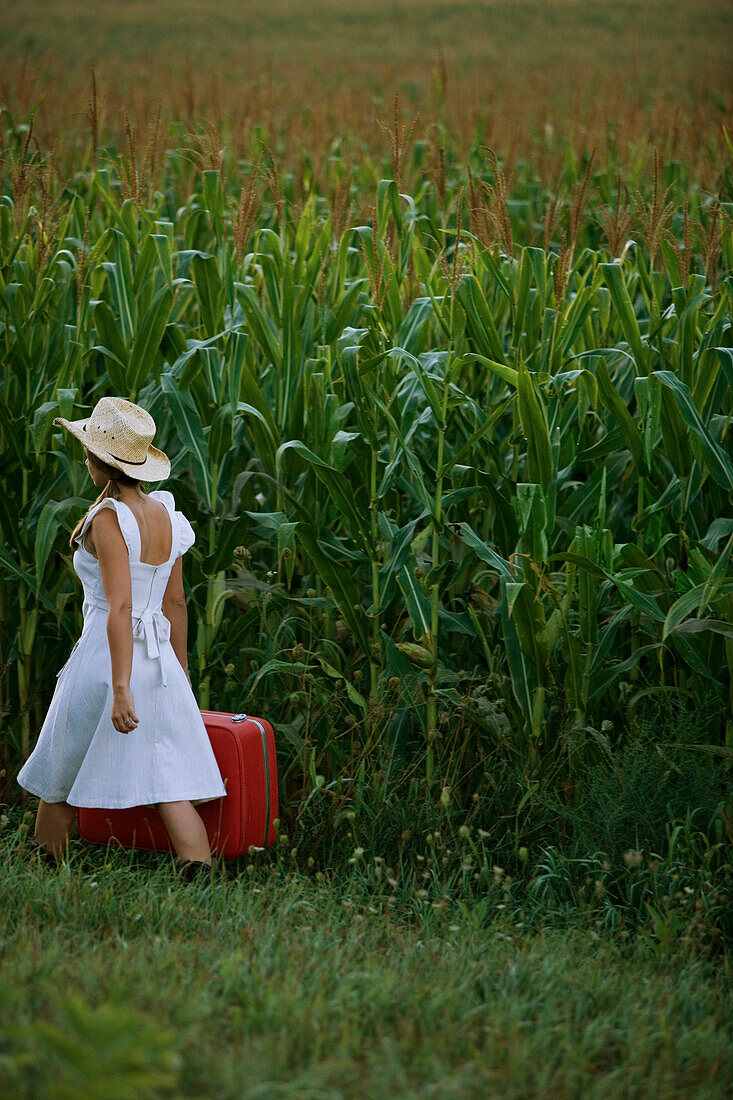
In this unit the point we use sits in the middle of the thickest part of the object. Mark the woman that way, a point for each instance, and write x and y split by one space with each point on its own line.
123 728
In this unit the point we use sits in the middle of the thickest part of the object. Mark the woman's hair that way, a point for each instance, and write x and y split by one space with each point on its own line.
112 489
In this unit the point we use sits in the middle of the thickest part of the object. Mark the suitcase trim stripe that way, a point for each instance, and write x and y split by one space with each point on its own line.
266 760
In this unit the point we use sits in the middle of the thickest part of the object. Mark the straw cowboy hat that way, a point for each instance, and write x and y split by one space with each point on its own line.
120 433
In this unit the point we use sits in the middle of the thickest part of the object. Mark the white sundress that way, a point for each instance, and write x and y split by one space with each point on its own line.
80 757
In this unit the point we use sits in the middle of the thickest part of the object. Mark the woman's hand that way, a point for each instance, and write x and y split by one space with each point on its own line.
123 715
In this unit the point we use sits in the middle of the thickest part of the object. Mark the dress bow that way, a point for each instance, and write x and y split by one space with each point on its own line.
155 629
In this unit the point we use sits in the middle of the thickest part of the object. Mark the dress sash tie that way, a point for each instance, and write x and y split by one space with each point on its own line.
155 629
148 623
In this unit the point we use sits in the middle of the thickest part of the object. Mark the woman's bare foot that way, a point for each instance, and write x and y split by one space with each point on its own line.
54 825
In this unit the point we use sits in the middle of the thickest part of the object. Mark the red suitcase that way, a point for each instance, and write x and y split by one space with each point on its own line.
244 748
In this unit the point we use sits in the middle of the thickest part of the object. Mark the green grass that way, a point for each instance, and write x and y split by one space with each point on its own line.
269 983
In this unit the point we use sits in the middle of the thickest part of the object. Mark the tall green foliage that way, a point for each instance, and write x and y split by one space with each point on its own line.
453 451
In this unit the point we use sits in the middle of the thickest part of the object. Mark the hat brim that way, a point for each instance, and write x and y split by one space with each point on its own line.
156 467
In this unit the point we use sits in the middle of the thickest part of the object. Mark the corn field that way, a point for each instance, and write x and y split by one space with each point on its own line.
454 440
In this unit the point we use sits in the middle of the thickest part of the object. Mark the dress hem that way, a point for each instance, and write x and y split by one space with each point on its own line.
148 802
195 798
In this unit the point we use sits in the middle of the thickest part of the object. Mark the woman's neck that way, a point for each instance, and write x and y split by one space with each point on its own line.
128 495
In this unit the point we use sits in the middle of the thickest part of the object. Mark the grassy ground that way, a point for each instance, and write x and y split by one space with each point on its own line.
271 983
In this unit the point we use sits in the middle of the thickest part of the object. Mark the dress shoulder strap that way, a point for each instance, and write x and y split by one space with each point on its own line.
126 520
187 534
168 500
183 533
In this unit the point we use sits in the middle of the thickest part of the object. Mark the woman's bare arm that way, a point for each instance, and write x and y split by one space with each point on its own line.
114 565
175 610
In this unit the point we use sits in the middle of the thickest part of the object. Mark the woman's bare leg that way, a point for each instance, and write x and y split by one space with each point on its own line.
54 826
186 830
